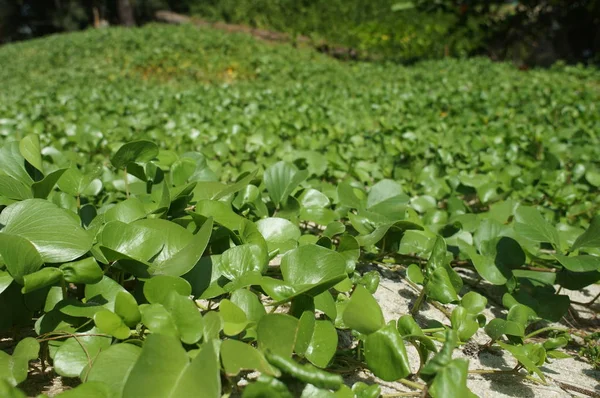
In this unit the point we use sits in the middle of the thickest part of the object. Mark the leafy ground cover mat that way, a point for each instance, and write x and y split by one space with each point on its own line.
186 213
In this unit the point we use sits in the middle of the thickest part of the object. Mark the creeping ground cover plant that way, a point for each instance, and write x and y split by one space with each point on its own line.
141 278
185 212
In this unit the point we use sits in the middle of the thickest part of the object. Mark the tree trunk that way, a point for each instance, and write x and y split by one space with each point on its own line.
125 10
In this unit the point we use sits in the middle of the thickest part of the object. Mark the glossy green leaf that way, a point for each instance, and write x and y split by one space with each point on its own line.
20 256
135 151
77 353
45 277
281 179
582 263
530 224
85 271
14 189
159 320
112 367
277 333
464 323
41 189
279 233
127 308
590 238
234 318
56 234
363 313
439 287
164 369
157 288
110 323
186 316
385 354
14 368
323 344
473 302
30 149
238 356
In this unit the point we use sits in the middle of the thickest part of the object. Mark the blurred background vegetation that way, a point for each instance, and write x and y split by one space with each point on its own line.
528 32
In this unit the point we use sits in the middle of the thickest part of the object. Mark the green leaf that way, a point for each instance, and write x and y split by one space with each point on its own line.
385 354
13 163
45 277
524 356
30 149
281 179
451 380
530 224
495 328
157 288
279 233
249 303
590 238
363 313
185 259
325 302
110 323
473 302
186 316
349 248
164 370
92 389
239 261
582 263
439 287
323 344
56 234
158 320
13 369
464 323
234 318
440 360
136 151
20 256
127 308
5 280
306 373
414 274
238 356
266 387
112 367
104 293
126 211
14 189
85 271
312 269
78 352
277 333
41 189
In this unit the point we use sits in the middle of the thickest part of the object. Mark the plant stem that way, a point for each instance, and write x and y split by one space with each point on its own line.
126 182
418 303
542 330
63 286
492 372
412 384
402 394
433 330
441 308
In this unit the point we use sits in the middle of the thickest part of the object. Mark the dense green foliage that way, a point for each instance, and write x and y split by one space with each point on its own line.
372 27
151 178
